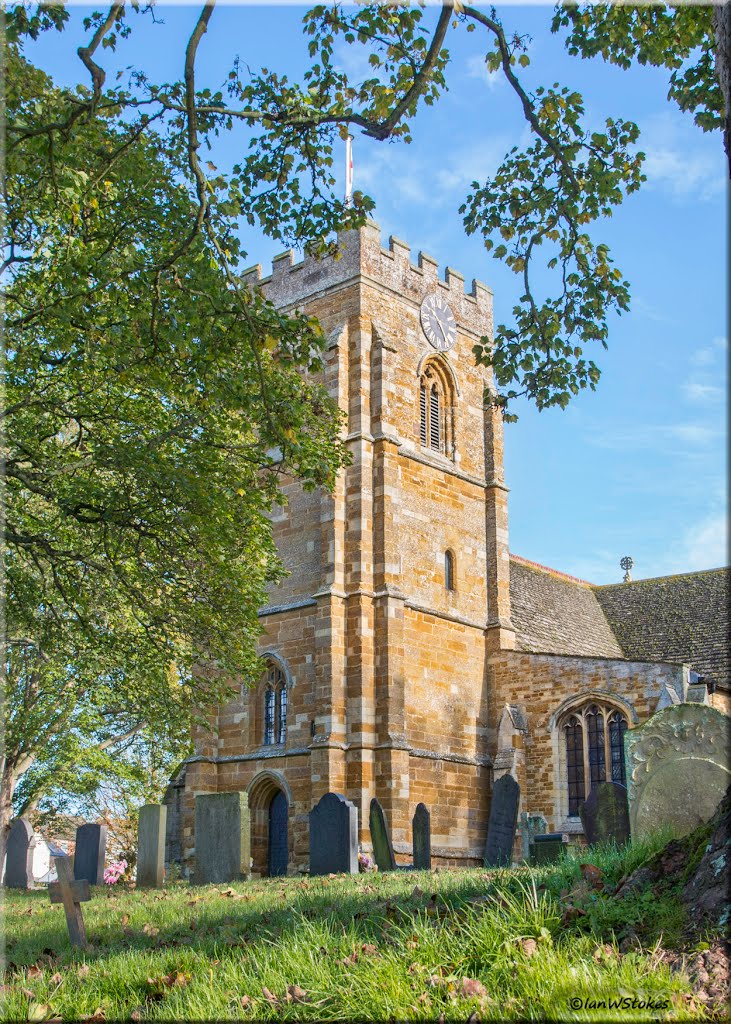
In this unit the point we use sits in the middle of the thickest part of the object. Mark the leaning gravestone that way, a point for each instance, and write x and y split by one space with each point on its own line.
151 845
19 860
91 848
605 814
677 768
421 838
222 838
381 838
502 823
333 836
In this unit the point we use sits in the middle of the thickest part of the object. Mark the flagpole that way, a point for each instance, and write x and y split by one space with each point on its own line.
349 171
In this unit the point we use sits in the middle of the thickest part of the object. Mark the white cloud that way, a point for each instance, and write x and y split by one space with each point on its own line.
706 393
710 353
475 67
705 545
655 436
686 165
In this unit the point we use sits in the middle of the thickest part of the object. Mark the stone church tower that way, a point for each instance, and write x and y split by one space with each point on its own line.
376 642
408 655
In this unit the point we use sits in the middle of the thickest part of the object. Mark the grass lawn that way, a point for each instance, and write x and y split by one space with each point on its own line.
521 943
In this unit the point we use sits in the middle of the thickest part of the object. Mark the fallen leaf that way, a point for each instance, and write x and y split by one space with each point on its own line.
83 970
34 971
605 952
40 1012
348 960
529 946
150 929
424 998
124 919
27 993
295 994
433 980
136 1014
56 978
269 996
592 875
245 1001
471 988
412 943
98 1015
369 949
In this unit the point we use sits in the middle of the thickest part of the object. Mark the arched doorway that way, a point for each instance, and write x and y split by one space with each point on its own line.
278 835
269 802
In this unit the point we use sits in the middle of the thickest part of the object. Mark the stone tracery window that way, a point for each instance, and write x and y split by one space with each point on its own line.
275 705
594 738
435 412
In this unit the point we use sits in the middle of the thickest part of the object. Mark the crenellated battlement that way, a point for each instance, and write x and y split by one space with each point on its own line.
363 256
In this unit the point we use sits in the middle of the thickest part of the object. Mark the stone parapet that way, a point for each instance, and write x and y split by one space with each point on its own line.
362 255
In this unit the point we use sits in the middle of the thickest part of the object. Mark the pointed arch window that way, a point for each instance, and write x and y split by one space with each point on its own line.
435 411
594 738
275 705
449 570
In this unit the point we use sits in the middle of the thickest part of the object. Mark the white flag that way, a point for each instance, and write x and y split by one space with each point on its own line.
349 170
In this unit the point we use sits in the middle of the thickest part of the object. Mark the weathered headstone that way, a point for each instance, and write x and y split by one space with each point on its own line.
91 848
381 838
531 825
19 860
605 814
222 838
548 848
502 822
421 837
151 845
677 768
71 893
333 836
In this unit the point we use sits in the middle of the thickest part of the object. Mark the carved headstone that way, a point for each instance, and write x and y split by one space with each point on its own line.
222 838
91 849
381 838
605 814
151 845
502 823
677 768
333 836
19 860
421 837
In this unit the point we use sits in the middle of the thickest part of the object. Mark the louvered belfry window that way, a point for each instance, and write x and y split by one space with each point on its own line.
432 412
594 736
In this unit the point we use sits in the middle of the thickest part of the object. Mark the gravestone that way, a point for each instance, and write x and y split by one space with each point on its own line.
677 768
421 838
19 860
531 825
548 848
333 836
605 814
71 893
151 845
222 838
381 838
91 848
502 823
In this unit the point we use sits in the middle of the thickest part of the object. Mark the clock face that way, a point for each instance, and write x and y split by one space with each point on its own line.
438 322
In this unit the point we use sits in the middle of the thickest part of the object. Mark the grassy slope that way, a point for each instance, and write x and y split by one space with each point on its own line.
371 947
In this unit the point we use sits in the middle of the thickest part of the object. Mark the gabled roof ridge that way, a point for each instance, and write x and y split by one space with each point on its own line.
550 571
656 579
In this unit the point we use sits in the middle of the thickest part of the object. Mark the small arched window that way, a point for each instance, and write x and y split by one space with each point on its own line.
275 705
449 570
434 411
594 737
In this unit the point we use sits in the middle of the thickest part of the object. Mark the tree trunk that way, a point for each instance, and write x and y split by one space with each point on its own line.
722 30
7 789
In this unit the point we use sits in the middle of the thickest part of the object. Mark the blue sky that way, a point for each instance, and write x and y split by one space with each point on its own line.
639 466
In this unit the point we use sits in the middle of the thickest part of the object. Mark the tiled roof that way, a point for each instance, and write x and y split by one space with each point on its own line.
673 618
557 614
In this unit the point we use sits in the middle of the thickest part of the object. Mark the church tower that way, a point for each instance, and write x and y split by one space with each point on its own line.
376 644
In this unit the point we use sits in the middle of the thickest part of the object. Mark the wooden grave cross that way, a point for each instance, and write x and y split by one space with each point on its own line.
71 893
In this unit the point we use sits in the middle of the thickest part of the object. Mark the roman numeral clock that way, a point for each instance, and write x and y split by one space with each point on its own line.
438 323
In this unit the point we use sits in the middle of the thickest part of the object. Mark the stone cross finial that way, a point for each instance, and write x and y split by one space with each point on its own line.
626 563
